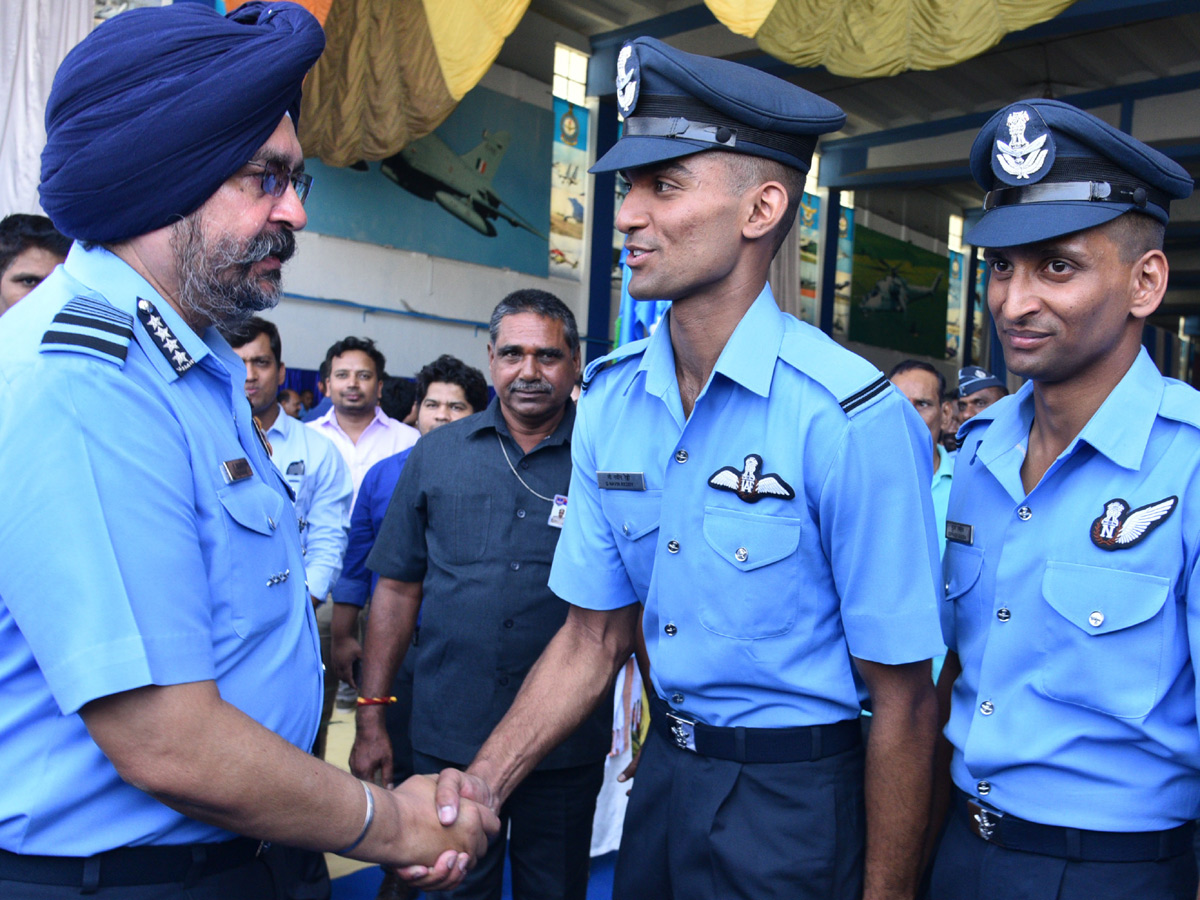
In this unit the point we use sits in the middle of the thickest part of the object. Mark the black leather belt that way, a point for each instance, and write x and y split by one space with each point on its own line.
753 745
128 866
1008 831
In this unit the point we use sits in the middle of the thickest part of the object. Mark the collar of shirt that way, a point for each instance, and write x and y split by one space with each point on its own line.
748 357
492 418
280 426
123 288
1120 428
381 419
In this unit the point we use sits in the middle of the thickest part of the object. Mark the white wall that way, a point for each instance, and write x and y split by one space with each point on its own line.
331 278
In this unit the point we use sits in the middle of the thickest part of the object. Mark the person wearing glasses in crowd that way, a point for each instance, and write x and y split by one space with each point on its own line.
157 642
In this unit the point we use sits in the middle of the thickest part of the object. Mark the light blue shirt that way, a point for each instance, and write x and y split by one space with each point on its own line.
753 610
1077 701
127 557
320 479
942 479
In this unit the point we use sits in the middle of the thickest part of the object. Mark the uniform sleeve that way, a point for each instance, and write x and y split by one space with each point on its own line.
353 586
587 569
400 551
328 516
104 573
876 515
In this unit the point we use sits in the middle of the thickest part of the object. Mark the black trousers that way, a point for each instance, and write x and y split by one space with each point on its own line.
252 881
698 828
546 829
969 868
398 719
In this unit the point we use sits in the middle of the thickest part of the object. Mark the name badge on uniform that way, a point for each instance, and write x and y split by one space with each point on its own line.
296 467
558 512
960 533
621 481
236 470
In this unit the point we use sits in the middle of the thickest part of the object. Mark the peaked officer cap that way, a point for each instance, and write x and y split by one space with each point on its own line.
1051 169
155 108
972 379
676 104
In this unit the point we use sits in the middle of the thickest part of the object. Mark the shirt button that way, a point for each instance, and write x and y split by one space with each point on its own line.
520 513
514 565
987 707
502 680
672 546
1003 614
984 788
677 698
741 554
681 455
523 464
1024 513
271 523
625 529
671 629
508 623
1096 619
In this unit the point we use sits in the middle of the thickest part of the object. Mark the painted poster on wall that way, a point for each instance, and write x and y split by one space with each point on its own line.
843 272
955 306
475 190
898 295
568 189
809 225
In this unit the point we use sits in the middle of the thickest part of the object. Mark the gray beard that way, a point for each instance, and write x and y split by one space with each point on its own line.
215 281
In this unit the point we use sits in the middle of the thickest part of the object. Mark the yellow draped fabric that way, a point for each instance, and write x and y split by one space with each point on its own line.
871 38
393 70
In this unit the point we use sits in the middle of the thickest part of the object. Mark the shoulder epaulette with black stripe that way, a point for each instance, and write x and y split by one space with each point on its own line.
90 326
625 351
866 395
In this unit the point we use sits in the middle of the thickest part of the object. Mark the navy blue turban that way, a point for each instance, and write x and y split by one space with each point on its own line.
157 107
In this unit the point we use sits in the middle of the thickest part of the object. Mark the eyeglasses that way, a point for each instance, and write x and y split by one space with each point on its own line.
275 178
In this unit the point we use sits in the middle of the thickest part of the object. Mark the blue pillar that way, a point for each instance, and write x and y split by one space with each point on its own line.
831 216
603 212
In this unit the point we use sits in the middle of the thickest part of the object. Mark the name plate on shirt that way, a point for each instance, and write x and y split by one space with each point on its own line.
621 481
236 470
960 533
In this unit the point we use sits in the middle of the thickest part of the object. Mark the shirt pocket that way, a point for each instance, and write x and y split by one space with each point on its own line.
468 533
757 583
1104 637
262 594
633 517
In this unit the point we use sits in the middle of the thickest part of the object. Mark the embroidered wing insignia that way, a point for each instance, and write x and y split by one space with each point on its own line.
748 484
1119 527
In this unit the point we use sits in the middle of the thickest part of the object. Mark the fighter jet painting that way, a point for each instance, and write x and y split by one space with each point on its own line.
461 185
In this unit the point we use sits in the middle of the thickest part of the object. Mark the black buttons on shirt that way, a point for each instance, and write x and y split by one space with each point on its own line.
671 630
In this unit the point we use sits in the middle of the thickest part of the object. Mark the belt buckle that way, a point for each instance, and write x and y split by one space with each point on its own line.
683 730
983 821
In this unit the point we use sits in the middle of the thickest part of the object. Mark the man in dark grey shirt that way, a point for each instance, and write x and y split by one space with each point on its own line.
467 542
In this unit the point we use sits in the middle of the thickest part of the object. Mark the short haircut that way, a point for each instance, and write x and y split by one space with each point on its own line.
397 396
452 370
747 171
20 231
288 394
244 332
1136 233
915 365
345 345
543 303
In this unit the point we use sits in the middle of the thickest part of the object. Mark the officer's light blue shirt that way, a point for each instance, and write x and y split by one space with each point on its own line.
753 610
126 557
1077 701
943 476
320 479
356 583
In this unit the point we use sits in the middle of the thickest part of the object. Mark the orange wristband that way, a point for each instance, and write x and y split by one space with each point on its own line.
375 701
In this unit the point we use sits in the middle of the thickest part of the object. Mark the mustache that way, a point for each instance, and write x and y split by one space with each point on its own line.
280 244
532 387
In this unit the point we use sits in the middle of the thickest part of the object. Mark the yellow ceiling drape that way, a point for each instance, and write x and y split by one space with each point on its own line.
872 38
393 70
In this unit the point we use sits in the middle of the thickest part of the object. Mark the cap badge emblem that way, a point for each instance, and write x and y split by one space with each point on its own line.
1119 528
1020 157
748 484
627 81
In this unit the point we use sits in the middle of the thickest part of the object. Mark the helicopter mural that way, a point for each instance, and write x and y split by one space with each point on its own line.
893 292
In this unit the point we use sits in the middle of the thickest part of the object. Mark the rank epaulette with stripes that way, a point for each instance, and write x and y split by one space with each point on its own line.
865 396
854 383
625 351
90 326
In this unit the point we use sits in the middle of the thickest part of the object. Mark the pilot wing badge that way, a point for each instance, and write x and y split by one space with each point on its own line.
751 484
1119 527
1019 156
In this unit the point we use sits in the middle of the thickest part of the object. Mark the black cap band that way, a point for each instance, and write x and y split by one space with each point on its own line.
670 116
1137 195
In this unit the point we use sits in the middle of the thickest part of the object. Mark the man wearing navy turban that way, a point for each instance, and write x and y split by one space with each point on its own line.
157 645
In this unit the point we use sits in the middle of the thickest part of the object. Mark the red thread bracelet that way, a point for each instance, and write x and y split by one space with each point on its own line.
375 701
